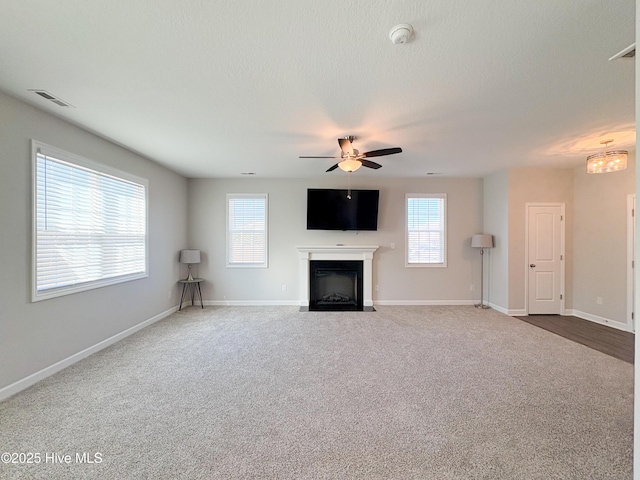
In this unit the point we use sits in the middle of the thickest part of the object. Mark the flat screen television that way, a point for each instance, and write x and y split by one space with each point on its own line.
332 209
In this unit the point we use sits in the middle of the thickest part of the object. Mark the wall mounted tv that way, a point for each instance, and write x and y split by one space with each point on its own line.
333 210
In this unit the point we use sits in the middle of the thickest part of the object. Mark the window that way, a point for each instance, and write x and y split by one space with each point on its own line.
89 224
426 229
247 230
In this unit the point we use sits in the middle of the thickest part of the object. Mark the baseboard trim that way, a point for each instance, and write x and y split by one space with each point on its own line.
423 302
34 378
498 308
597 319
296 303
249 303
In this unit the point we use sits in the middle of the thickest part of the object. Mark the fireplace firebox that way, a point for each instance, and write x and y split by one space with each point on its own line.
335 285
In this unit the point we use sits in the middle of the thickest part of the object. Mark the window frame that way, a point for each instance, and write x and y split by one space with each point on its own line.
443 197
101 169
265 262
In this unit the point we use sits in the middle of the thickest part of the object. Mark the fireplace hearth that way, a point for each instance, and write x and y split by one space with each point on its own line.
335 285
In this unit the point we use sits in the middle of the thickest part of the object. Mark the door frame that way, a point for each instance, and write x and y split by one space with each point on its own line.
563 216
631 224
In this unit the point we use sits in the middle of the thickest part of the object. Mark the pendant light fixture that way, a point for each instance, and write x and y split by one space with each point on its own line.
607 161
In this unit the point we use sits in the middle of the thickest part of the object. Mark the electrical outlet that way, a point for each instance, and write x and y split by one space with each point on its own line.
377 288
169 294
393 246
472 287
599 300
284 288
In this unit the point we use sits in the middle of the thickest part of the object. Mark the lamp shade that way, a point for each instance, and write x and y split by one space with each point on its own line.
190 256
482 241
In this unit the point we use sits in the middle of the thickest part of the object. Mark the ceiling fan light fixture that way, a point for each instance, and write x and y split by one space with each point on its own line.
350 164
607 161
351 159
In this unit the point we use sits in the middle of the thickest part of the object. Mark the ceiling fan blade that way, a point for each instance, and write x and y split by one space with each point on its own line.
370 164
346 146
302 156
381 153
332 168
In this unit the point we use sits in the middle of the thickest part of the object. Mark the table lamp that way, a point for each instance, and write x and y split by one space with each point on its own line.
190 257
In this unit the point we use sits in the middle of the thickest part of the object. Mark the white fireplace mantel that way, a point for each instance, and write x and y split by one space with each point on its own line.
338 252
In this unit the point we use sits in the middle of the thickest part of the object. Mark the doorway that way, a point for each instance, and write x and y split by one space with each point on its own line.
545 258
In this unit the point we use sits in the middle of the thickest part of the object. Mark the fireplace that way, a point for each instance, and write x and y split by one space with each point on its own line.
363 254
335 285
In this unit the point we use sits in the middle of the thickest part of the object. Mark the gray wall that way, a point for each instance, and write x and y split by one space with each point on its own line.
496 223
287 229
531 185
600 241
636 396
34 336
595 236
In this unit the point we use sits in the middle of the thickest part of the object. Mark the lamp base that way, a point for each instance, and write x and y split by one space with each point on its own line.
482 305
190 277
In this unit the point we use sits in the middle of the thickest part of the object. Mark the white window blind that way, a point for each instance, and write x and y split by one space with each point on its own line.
247 230
426 229
90 225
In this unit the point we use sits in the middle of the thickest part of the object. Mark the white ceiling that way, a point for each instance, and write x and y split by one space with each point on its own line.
217 88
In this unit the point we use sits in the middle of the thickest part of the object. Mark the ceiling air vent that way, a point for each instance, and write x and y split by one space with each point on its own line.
51 98
629 52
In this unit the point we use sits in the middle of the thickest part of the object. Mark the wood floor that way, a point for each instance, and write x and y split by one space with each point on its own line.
605 339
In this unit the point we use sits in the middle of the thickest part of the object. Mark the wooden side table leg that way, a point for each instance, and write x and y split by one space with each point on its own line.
200 293
184 288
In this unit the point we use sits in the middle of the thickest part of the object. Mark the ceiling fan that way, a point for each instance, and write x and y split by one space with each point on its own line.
352 160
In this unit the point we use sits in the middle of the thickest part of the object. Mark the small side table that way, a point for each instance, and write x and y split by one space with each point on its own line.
194 286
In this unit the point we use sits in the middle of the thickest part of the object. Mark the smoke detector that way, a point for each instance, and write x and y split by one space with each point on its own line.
401 33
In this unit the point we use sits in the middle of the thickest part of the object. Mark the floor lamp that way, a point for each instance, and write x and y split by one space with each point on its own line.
482 241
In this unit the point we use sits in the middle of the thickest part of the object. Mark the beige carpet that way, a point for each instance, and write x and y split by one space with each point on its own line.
268 392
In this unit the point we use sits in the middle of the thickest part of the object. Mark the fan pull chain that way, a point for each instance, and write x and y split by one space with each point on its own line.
349 185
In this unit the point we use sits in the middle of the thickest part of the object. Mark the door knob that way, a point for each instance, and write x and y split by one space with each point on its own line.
533 265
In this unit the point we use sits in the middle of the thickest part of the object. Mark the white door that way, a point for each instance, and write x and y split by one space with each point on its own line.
545 224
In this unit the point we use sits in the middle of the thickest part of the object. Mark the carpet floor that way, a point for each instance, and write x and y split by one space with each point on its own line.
272 393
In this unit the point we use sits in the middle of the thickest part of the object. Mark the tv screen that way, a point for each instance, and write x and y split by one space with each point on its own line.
333 210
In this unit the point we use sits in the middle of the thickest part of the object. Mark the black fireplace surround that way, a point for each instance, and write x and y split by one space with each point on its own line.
335 285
